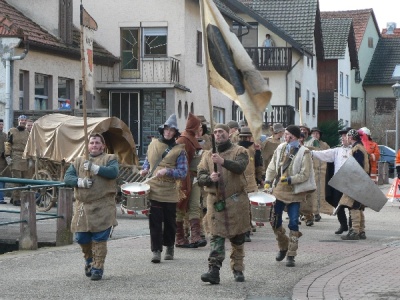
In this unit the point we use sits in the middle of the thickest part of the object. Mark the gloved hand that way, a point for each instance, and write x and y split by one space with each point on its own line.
89 166
397 171
8 160
267 185
285 180
85 183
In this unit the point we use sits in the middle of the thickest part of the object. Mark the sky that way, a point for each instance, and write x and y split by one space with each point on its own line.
384 10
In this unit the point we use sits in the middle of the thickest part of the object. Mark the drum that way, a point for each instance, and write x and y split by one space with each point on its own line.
135 198
261 205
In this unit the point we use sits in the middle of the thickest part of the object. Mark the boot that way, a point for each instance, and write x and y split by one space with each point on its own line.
156 257
238 276
169 254
317 218
212 276
280 255
290 261
88 256
180 240
342 229
99 256
362 235
247 237
195 237
351 236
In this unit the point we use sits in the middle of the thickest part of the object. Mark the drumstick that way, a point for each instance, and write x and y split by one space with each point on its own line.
148 179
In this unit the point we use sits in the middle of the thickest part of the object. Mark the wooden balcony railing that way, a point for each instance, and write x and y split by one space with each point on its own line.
283 114
271 59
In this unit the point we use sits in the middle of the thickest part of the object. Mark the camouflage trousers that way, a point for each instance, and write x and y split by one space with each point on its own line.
217 251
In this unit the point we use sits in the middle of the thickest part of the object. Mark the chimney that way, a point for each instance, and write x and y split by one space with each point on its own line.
65 21
391 26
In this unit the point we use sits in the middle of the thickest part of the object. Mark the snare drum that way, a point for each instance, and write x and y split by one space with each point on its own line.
136 197
261 206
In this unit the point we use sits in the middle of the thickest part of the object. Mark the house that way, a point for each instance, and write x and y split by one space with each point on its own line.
378 82
50 71
290 66
340 57
366 32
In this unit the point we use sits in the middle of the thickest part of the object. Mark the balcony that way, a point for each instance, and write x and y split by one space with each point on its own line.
271 59
283 114
154 70
327 100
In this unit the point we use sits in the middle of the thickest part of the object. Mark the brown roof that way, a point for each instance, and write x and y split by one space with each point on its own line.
360 20
40 39
396 33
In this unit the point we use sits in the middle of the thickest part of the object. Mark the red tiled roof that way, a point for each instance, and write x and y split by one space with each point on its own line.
40 38
396 33
360 20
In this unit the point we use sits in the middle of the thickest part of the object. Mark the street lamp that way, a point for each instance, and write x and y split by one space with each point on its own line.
396 92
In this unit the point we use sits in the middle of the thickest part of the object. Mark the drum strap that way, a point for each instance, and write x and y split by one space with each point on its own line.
160 159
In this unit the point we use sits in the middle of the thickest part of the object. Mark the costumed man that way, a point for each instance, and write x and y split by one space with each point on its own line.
254 171
359 153
221 172
338 157
190 205
3 163
373 151
233 131
317 198
271 143
94 207
291 176
167 162
13 151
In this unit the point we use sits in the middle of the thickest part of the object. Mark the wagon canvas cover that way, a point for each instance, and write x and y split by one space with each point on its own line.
58 136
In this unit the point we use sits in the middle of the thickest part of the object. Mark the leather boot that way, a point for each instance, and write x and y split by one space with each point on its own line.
180 240
169 254
290 261
195 237
212 276
99 256
88 256
342 229
281 255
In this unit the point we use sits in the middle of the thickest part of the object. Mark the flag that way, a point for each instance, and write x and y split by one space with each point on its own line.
231 69
88 25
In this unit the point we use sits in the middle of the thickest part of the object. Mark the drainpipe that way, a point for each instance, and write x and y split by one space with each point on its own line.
8 120
365 107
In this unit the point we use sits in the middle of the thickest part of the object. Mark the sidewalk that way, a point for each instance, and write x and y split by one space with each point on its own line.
326 267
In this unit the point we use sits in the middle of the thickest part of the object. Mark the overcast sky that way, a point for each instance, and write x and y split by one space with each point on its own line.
384 10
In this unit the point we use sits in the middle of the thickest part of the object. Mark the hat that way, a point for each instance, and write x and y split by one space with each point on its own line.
68 101
316 129
304 125
22 117
222 126
277 127
242 123
171 123
354 134
294 130
344 130
245 131
233 124
202 119
365 130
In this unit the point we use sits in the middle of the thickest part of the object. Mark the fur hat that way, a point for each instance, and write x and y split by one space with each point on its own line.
245 131
294 130
171 123
277 127
233 124
222 126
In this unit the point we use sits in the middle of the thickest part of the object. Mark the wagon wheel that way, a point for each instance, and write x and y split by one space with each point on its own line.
47 196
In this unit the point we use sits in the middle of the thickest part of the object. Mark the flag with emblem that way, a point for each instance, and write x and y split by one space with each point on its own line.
231 70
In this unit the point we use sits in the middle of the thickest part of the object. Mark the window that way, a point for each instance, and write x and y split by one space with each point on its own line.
65 90
354 103
23 90
248 37
219 114
199 52
313 104
308 102
347 85
155 41
312 62
370 42
385 105
341 83
297 96
308 61
129 52
357 76
42 92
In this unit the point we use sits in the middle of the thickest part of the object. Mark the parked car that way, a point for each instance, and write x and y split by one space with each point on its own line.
388 155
